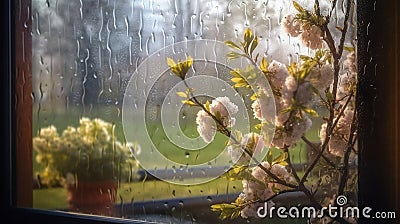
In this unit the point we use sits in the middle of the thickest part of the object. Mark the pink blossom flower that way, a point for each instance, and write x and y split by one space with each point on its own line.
223 109
292 27
312 37
250 141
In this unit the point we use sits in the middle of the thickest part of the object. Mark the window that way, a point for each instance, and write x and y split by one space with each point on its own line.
81 65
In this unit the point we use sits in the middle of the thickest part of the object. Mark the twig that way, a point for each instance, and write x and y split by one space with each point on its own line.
333 7
331 124
315 149
289 161
227 133
325 144
345 27
343 179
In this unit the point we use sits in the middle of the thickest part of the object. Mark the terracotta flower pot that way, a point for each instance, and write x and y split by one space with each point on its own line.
95 198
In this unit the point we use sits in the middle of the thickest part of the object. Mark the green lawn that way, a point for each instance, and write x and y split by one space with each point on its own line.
55 198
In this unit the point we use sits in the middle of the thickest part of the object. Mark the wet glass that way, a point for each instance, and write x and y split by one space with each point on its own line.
86 57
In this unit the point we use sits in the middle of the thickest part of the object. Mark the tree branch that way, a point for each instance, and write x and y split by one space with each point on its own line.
325 143
343 179
315 149
227 133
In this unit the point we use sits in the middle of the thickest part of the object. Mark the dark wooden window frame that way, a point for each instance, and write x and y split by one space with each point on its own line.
378 98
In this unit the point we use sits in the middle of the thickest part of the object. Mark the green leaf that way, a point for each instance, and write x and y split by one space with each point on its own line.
207 105
248 35
235 214
292 69
188 102
281 158
181 68
287 109
238 172
283 163
269 156
233 55
329 96
239 78
258 126
253 45
298 7
264 66
305 58
275 189
253 97
227 210
182 94
311 112
236 80
232 45
348 48
248 39
170 62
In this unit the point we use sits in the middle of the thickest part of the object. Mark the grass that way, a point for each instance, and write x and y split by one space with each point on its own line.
152 190
141 191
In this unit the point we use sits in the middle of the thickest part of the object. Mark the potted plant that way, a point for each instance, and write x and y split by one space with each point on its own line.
88 160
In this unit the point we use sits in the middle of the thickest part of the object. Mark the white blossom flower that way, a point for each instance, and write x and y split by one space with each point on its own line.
321 77
263 106
253 191
291 83
304 94
261 190
345 120
297 129
278 73
288 90
346 81
224 107
338 142
277 169
205 126
256 106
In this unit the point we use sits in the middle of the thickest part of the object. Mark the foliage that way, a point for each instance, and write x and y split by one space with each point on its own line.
89 152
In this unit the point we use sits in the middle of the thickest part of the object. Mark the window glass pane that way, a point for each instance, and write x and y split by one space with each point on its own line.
145 105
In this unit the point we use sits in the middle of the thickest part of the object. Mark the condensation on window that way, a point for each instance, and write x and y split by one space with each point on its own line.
84 55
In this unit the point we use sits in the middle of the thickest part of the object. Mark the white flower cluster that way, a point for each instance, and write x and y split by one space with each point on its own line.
349 77
321 77
289 131
257 191
311 36
252 142
88 151
297 129
339 138
263 106
338 142
223 109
